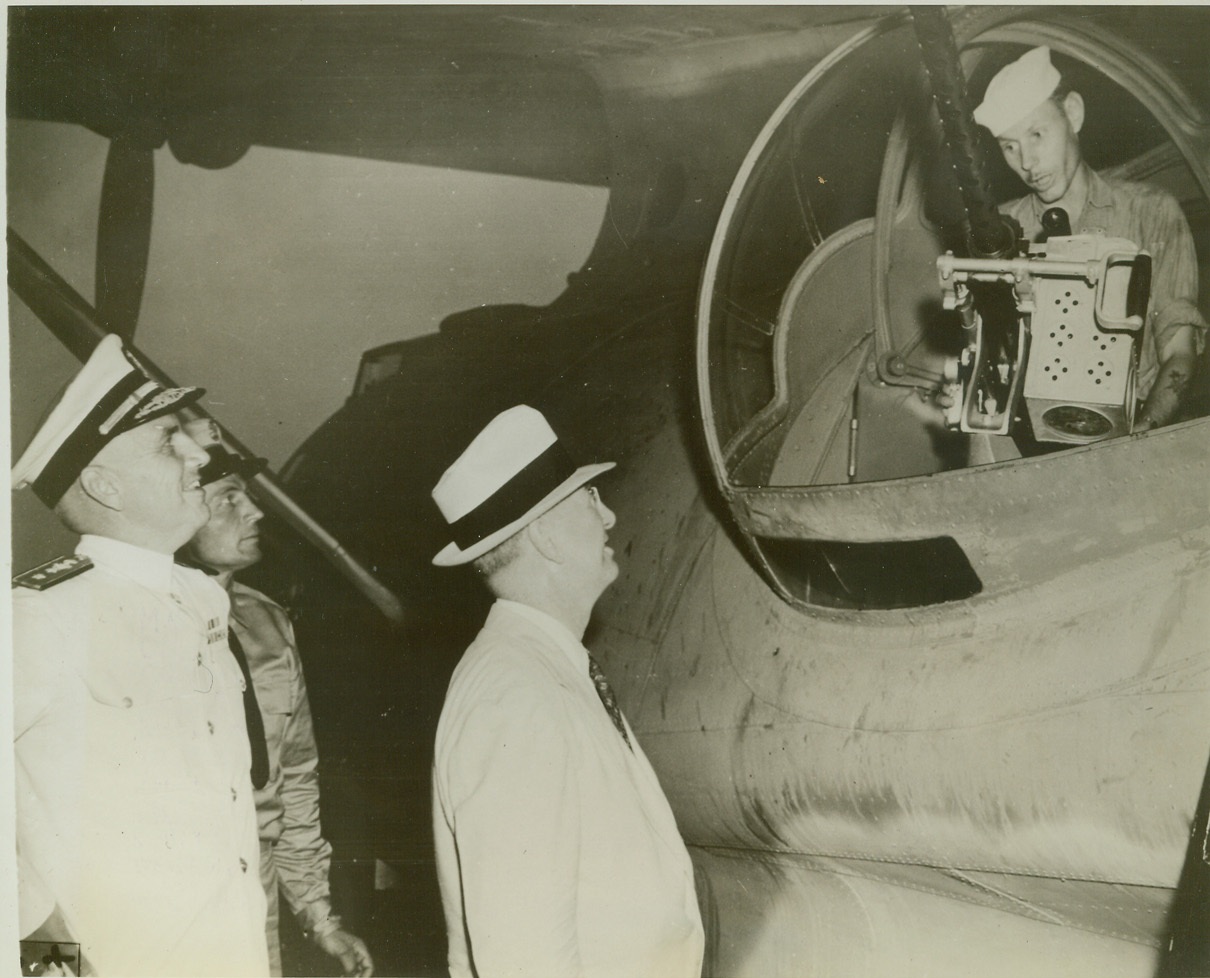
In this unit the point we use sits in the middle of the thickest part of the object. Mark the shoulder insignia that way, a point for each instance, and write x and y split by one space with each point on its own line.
53 572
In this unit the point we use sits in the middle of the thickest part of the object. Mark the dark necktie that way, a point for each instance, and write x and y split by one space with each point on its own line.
256 723
608 700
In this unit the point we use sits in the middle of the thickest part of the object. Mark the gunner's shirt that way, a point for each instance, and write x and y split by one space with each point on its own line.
1153 220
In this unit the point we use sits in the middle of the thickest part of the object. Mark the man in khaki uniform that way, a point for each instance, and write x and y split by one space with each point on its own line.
294 856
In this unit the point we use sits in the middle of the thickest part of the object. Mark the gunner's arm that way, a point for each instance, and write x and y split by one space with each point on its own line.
1178 357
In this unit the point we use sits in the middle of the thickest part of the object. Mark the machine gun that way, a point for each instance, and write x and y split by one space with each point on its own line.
1057 329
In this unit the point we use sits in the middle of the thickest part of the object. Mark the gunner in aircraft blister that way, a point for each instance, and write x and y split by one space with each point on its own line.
557 852
136 831
1036 119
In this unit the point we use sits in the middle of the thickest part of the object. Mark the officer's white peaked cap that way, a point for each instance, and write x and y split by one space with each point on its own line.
513 471
1016 90
108 397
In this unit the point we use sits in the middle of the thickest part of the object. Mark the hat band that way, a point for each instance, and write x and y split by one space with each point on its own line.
126 409
515 498
81 446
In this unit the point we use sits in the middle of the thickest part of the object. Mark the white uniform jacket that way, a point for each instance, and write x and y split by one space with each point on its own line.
557 853
134 801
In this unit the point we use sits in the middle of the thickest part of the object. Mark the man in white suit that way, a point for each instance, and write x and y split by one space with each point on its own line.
557 852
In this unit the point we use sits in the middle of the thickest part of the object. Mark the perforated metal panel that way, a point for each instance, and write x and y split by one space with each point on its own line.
1070 357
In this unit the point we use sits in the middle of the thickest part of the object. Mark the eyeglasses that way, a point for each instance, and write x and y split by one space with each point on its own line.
596 496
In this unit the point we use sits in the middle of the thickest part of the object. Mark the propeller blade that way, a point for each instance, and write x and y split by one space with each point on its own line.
124 235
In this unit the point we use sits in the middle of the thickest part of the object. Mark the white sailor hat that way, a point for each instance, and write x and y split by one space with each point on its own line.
108 397
513 471
1017 89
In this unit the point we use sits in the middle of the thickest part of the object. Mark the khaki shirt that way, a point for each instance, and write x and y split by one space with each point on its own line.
1152 219
287 807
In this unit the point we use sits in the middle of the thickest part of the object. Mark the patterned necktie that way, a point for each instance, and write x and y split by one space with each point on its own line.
608 700
256 723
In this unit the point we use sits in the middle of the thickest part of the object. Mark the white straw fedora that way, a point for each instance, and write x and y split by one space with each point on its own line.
513 471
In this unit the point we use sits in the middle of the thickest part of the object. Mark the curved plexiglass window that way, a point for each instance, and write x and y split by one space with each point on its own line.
827 339
823 340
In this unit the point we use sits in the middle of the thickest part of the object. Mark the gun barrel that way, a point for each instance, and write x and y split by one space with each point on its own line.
991 234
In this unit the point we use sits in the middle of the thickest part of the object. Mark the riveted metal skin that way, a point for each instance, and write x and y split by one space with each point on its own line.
986 785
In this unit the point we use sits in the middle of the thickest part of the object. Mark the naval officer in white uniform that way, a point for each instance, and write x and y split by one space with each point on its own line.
136 830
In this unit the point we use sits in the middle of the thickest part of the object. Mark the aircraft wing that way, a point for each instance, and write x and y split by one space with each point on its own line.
510 89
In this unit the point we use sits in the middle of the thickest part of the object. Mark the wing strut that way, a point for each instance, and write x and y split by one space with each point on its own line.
66 314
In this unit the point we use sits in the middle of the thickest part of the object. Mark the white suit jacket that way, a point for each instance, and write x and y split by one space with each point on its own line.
557 853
